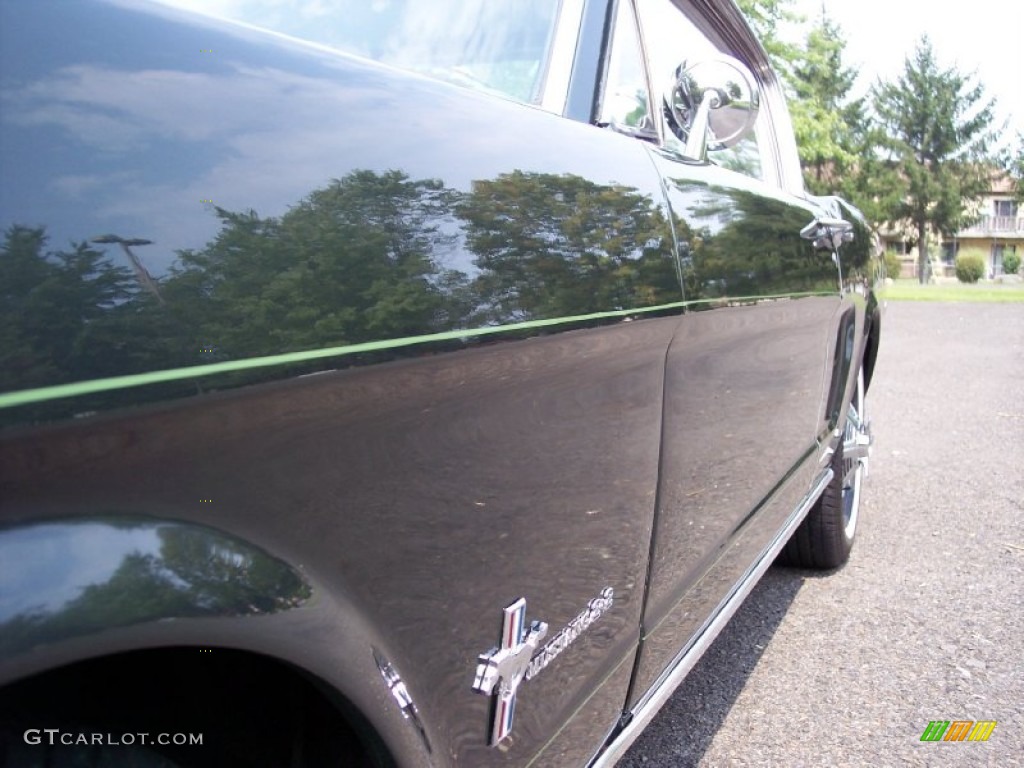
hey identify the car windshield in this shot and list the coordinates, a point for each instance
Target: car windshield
(495, 45)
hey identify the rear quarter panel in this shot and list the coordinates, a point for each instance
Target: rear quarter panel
(312, 201)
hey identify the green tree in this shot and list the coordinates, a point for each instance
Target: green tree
(1013, 161)
(830, 127)
(828, 124)
(934, 129)
(765, 18)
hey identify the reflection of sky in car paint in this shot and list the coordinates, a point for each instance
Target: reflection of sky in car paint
(264, 160)
(239, 155)
(44, 567)
(162, 139)
(139, 135)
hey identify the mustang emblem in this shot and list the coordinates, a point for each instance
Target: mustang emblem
(595, 609)
(505, 667)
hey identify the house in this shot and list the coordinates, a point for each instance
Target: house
(998, 230)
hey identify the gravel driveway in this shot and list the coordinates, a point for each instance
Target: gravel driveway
(926, 621)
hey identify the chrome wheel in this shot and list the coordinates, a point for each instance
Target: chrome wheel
(856, 450)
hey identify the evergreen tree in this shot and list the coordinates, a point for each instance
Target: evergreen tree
(934, 129)
(765, 17)
(828, 125)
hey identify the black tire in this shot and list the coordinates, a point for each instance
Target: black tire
(825, 538)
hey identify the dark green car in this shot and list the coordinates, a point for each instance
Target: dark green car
(402, 384)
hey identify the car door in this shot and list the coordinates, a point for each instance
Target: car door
(746, 371)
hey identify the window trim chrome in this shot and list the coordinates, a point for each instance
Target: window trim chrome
(610, 41)
(727, 30)
(652, 99)
(561, 57)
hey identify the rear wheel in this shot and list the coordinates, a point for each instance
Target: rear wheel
(825, 537)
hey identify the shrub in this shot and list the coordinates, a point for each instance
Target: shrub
(893, 265)
(970, 266)
(1011, 263)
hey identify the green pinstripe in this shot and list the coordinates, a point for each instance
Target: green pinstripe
(44, 394)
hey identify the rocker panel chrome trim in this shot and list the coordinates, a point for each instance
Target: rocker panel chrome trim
(648, 707)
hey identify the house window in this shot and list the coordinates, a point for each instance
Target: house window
(1005, 207)
(949, 251)
(898, 247)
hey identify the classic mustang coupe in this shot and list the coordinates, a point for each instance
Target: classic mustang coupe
(402, 383)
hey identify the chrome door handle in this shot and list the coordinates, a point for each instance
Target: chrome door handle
(828, 233)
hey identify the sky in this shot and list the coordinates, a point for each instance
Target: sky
(983, 36)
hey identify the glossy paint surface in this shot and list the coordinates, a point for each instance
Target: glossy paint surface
(419, 350)
(743, 402)
(427, 486)
(69, 579)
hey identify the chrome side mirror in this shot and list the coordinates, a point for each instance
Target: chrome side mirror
(712, 104)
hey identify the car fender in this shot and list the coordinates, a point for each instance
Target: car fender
(100, 585)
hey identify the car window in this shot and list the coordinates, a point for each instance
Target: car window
(625, 106)
(670, 39)
(500, 46)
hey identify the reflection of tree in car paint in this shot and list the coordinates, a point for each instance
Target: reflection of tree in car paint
(558, 245)
(367, 257)
(739, 244)
(194, 573)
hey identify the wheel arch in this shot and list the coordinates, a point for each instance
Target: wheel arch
(243, 707)
(842, 363)
(872, 331)
(280, 626)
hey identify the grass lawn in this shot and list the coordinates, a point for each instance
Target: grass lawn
(984, 290)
